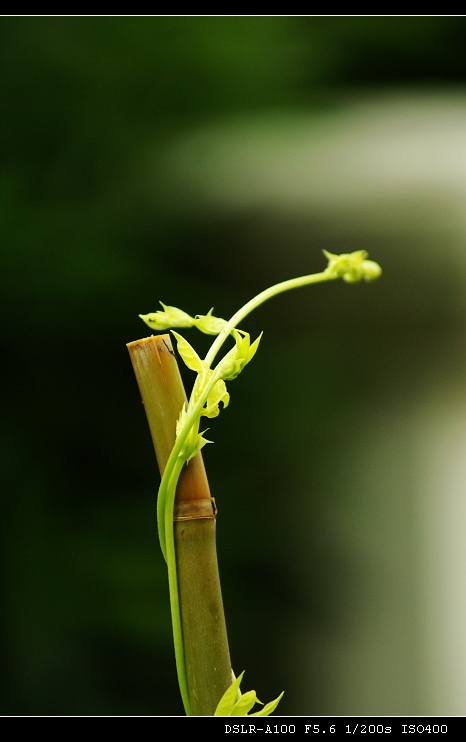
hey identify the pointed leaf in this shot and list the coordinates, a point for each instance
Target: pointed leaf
(245, 704)
(177, 317)
(170, 317)
(269, 707)
(188, 354)
(228, 700)
(156, 320)
(242, 343)
(209, 324)
(200, 443)
(253, 348)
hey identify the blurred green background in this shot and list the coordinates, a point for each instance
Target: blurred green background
(197, 160)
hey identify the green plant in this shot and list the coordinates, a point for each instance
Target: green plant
(208, 393)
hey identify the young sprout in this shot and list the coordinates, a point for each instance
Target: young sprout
(209, 392)
(234, 703)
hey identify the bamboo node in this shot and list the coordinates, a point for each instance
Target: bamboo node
(194, 509)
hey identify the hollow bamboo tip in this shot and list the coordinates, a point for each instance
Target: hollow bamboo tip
(154, 346)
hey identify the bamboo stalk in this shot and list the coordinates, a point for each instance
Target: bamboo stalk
(205, 641)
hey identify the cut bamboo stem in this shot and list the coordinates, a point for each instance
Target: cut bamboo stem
(205, 641)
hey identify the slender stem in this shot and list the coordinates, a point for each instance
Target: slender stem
(166, 497)
(279, 288)
(162, 502)
(171, 473)
(173, 587)
(194, 413)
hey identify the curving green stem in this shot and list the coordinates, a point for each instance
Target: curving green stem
(164, 511)
(352, 268)
(173, 586)
(167, 490)
(194, 414)
(279, 288)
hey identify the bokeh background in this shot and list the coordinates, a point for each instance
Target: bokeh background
(197, 160)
